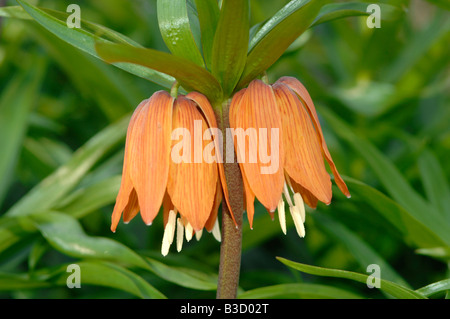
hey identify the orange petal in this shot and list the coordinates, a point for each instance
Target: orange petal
(307, 196)
(210, 117)
(255, 114)
(126, 185)
(150, 153)
(249, 201)
(235, 107)
(191, 184)
(132, 209)
(167, 207)
(215, 210)
(304, 161)
(301, 91)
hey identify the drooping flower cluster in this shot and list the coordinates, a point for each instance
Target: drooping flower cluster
(301, 176)
(190, 183)
(186, 185)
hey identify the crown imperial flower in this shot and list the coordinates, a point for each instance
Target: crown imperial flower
(301, 176)
(191, 187)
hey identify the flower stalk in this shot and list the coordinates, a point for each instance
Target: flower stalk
(231, 245)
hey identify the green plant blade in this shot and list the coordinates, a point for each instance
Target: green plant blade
(85, 41)
(421, 42)
(106, 274)
(440, 253)
(391, 288)
(392, 179)
(276, 35)
(91, 198)
(184, 277)
(13, 230)
(208, 16)
(191, 76)
(298, 290)
(435, 288)
(230, 43)
(335, 11)
(412, 230)
(65, 234)
(108, 88)
(434, 182)
(176, 30)
(56, 186)
(16, 103)
(11, 281)
(362, 252)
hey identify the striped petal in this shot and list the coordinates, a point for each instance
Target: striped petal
(215, 209)
(150, 153)
(167, 207)
(210, 117)
(303, 94)
(304, 160)
(258, 136)
(249, 201)
(132, 208)
(192, 180)
(307, 196)
(126, 185)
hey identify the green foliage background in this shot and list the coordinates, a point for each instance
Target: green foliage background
(382, 95)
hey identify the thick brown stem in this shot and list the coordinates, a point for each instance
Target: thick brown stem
(230, 249)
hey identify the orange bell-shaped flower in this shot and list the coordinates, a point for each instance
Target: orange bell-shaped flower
(296, 143)
(160, 170)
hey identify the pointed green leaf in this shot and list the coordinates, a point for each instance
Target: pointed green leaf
(435, 288)
(413, 231)
(392, 179)
(91, 198)
(440, 253)
(185, 277)
(434, 182)
(107, 274)
(190, 75)
(66, 235)
(176, 30)
(16, 102)
(230, 43)
(362, 252)
(208, 16)
(12, 281)
(56, 186)
(85, 41)
(277, 34)
(393, 289)
(335, 11)
(300, 290)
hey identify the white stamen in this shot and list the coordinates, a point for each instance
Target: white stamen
(216, 231)
(198, 234)
(169, 233)
(296, 216)
(282, 215)
(180, 234)
(298, 200)
(189, 232)
(287, 195)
